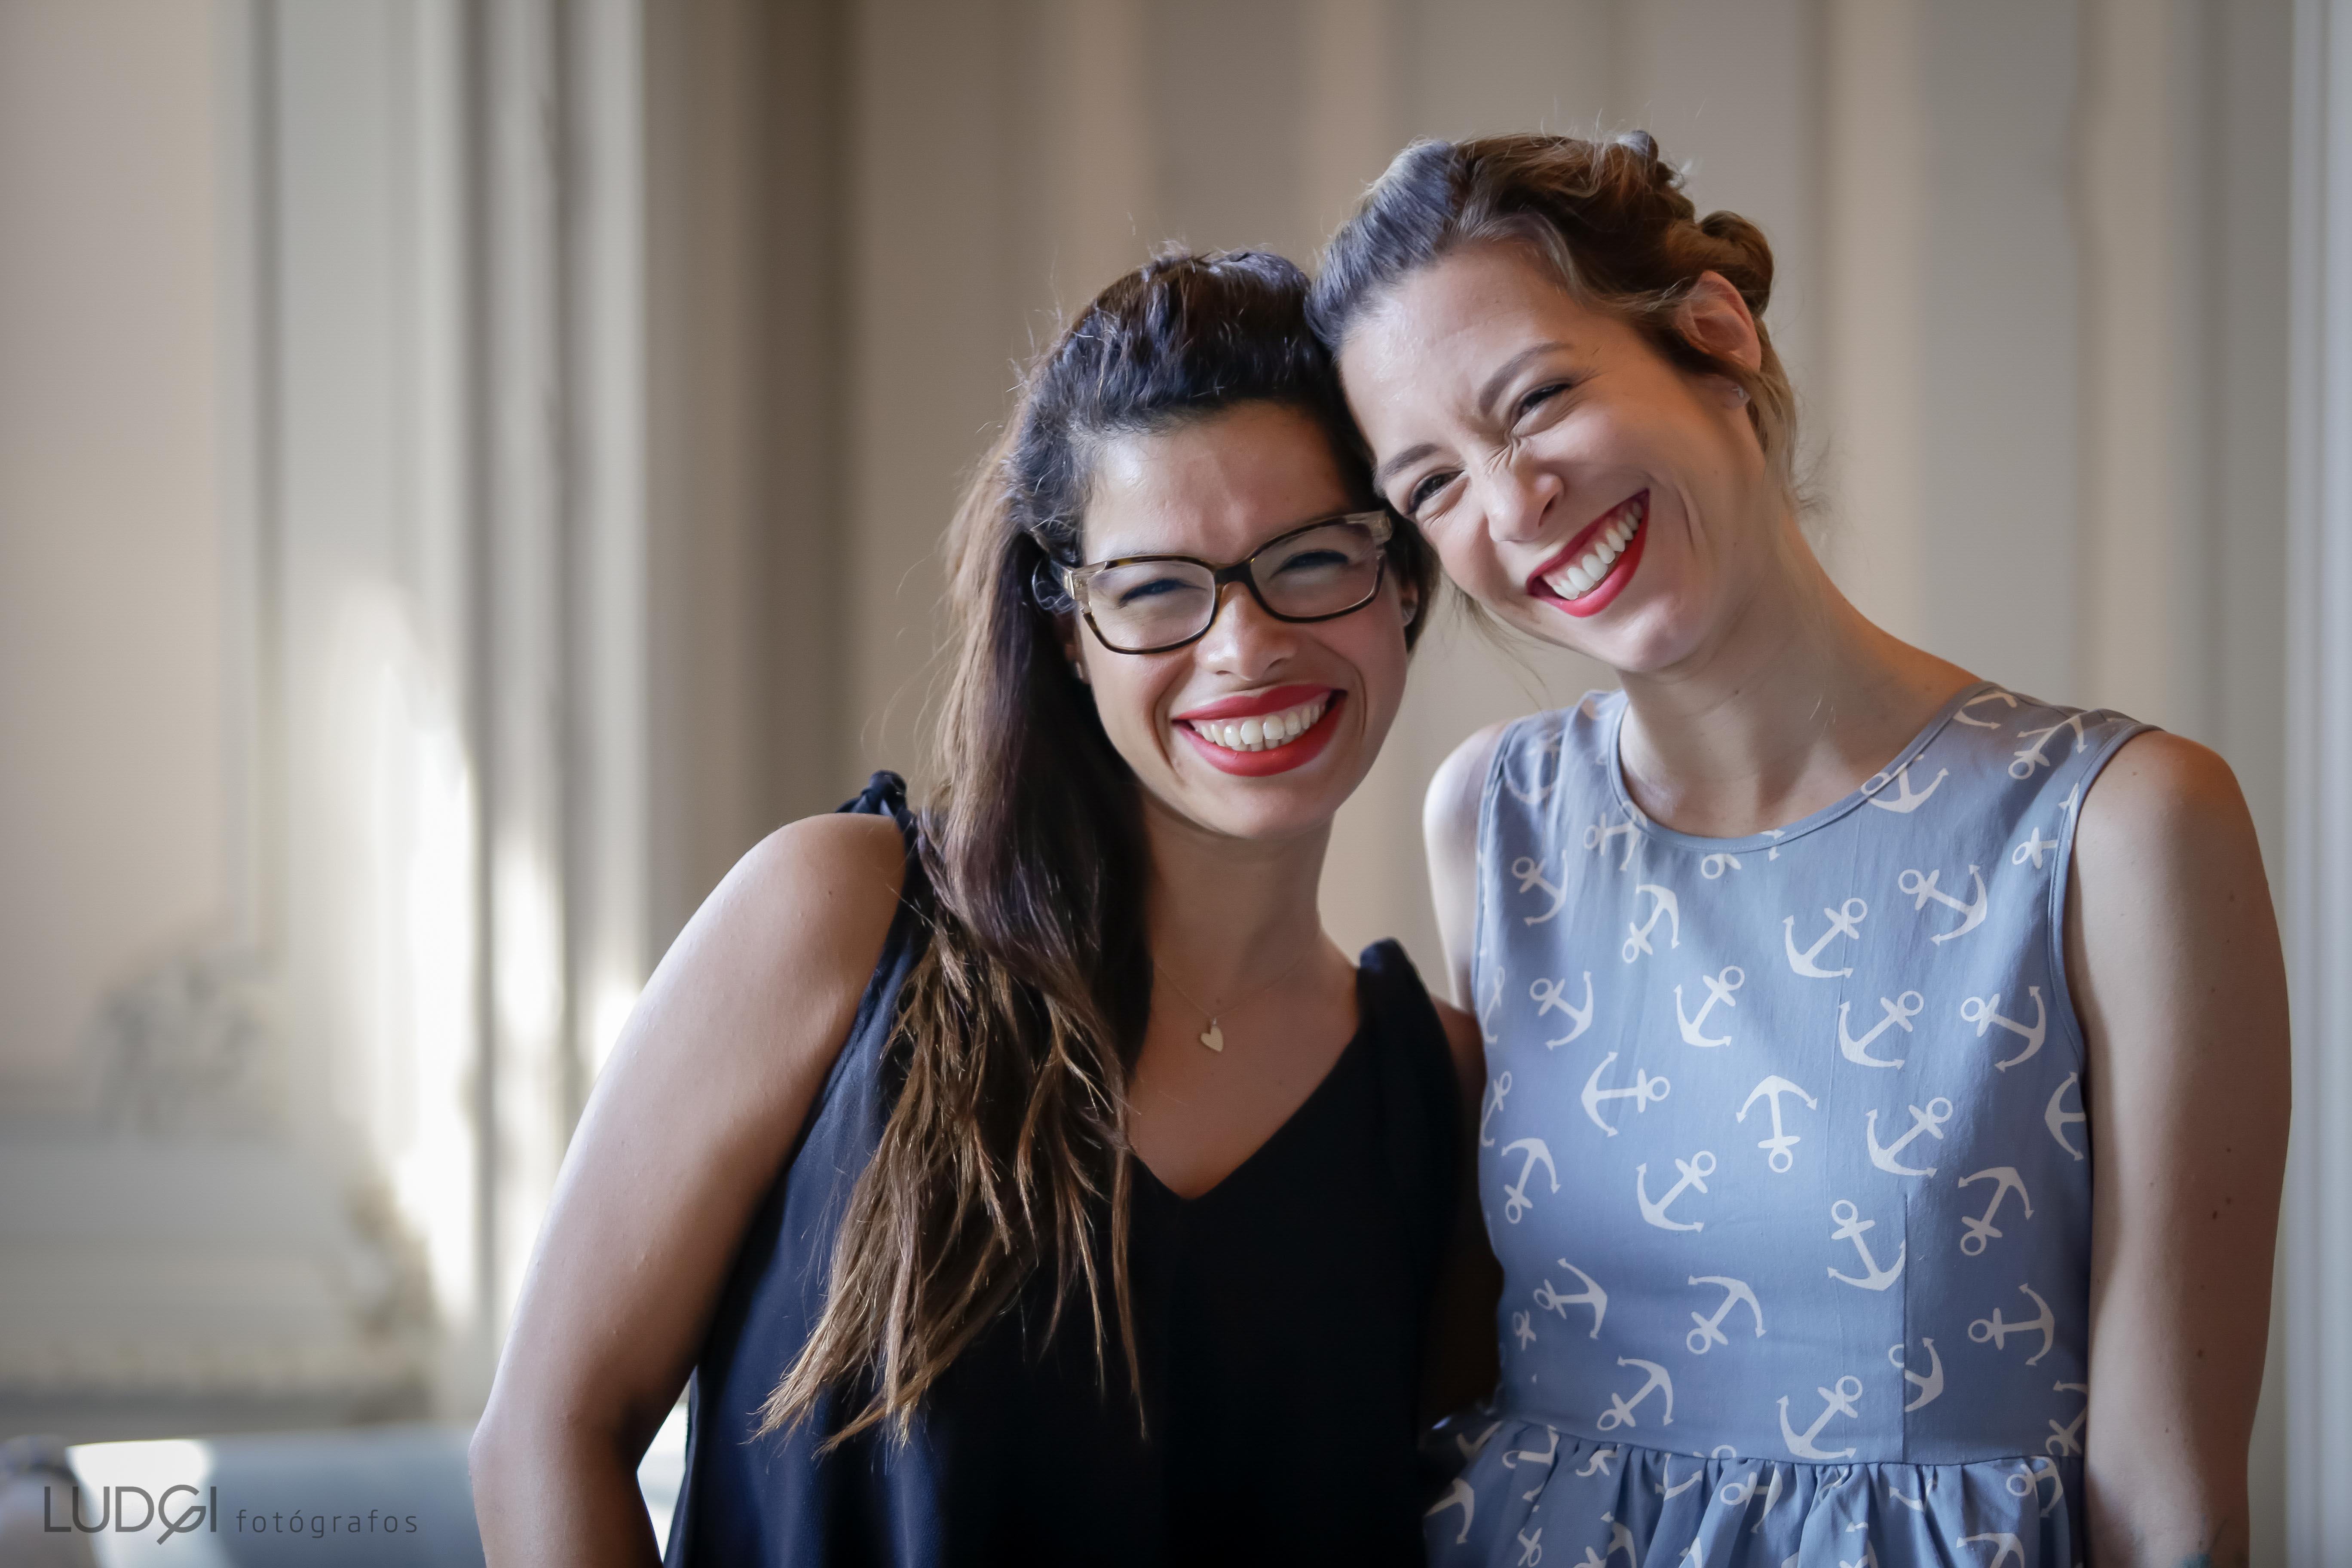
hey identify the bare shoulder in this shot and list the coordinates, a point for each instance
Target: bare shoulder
(2160, 799)
(1449, 817)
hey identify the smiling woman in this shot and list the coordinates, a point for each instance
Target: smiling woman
(973, 1251)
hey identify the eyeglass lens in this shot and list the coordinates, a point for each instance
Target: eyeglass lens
(1324, 570)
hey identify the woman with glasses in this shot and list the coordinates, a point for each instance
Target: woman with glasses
(1027, 1177)
(1906, 1056)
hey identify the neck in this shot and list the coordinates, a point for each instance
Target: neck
(1226, 915)
(1789, 706)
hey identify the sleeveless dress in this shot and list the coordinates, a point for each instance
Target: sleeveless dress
(1783, 1152)
(1280, 1317)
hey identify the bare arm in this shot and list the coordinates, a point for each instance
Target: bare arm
(2172, 952)
(1449, 831)
(689, 1124)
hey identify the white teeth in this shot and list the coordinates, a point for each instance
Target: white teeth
(1594, 567)
(1583, 575)
(1579, 578)
(1262, 731)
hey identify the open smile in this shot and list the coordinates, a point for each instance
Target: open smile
(1264, 732)
(1596, 564)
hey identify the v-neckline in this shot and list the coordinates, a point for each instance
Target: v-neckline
(1322, 1091)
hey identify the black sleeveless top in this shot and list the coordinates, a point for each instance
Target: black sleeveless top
(1279, 1317)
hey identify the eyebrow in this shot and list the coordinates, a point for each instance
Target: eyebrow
(1488, 392)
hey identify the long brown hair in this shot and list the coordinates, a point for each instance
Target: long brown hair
(1610, 219)
(1006, 1154)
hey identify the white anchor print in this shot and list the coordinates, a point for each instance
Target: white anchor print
(2034, 848)
(1962, 715)
(1774, 853)
(1550, 1450)
(1982, 1011)
(1470, 1446)
(1899, 1010)
(1515, 1201)
(1486, 1012)
(1780, 1143)
(1772, 1496)
(1676, 1491)
(2028, 1482)
(1923, 887)
(1598, 836)
(1719, 987)
(1995, 1332)
(2006, 1178)
(1546, 995)
(1695, 1172)
(1928, 1120)
(1621, 1410)
(1869, 1552)
(1594, 1295)
(2068, 1439)
(1896, 1494)
(2010, 1546)
(1713, 867)
(1709, 1332)
(1502, 1090)
(1844, 921)
(1906, 801)
(1620, 1540)
(1598, 1463)
(1930, 1387)
(2030, 757)
(1736, 1494)
(1850, 1226)
(1458, 1495)
(1645, 1090)
(1537, 793)
(1839, 1401)
(1530, 1548)
(1530, 875)
(2058, 1121)
(1663, 905)
(1522, 1329)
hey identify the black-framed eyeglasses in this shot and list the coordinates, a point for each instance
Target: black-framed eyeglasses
(1155, 604)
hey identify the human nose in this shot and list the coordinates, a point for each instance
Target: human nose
(1519, 497)
(1242, 639)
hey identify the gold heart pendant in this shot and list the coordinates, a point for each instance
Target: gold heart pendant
(1215, 1038)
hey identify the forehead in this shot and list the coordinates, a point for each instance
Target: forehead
(1216, 486)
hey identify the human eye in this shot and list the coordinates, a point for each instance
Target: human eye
(1144, 588)
(1537, 398)
(1423, 493)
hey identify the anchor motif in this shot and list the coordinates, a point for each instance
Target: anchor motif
(1486, 1012)
(1780, 1143)
(1979, 1229)
(1546, 996)
(2057, 1121)
(2030, 757)
(1709, 1332)
(2028, 1482)
(1511, 1460)
(1598, 1463)
(1530, 875)
(1594, 1295)
(1662, 906)
(1962, 715)
(1621, 1410)
(1620, 1540)
(1458, 1495)
(1523, 1329)
(1530, 1548)
(1774, 853)
(1598, 836)
(1850, 1226)
(1899, 1011)
(1923, 888)
(2068, 1439)
(1982, 1011)
(1905, 801)
(1719, 987)
(1676, 1491)
(1896, 1494)
(1695, 1172)
(1645, 1090)
(1502, 1089)
(2010, 1546)
(1712, 866)
(1515, 1201)
(1535, 794)
(1472, 1447)
(1869, 1551)
(1931, 1387)
(1839, 1401)
(1995, 1332)
(1844, 921)
(1929, 1121)
(2034, 848)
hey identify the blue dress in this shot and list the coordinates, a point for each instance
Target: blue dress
(1783, 1152)
(1289, 1299)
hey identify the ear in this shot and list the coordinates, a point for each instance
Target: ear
(1071, 653)
(1716, 319)
(1409, 600)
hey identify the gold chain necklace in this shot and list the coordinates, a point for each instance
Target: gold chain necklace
(1214, 1037)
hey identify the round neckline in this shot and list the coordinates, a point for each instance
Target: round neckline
(1775, 837)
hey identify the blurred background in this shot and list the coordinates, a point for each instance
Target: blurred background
(468, 468)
